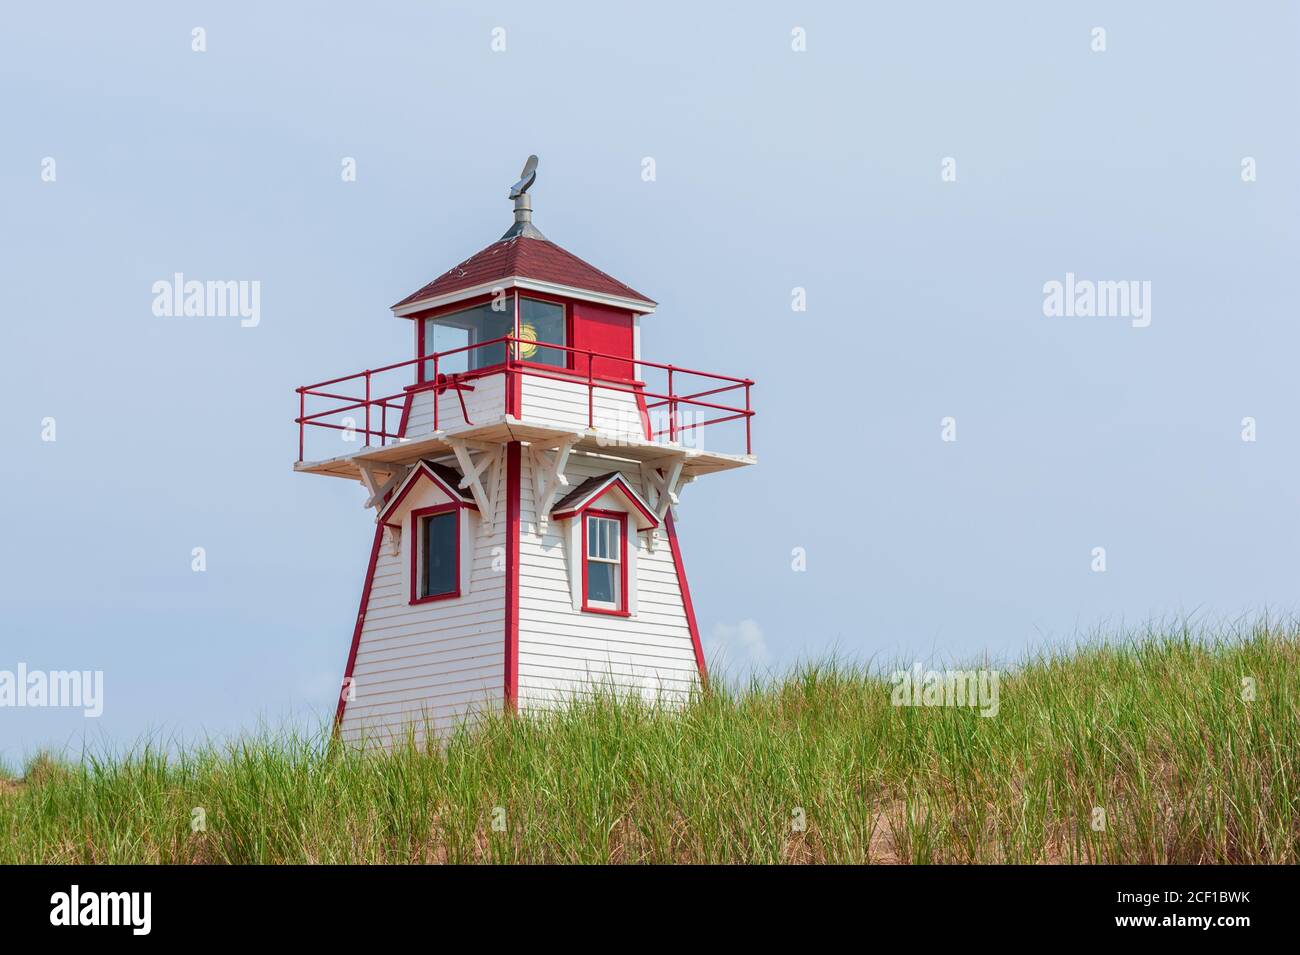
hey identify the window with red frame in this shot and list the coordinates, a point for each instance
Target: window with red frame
(464, 329)
(435, 560)
(604, 560)
(541, 324)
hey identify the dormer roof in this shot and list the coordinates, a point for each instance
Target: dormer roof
(446, 478)
(593, 489)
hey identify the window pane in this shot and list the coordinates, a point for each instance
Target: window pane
(602, 582)
(468, 327)
(440, 338)
(439, 546)
(542, 322)
(602, 538)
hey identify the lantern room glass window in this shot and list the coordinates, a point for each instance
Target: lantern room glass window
(438, 564)
(469, 326)
(603, 573)
(543, 323)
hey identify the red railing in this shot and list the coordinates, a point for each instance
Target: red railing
(386, 410)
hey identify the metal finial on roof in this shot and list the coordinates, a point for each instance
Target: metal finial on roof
(523, 204)
(526, 178)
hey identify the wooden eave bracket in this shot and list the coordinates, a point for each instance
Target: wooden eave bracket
(663, 483)
(379, 490)
(489, 460)
(549, 477)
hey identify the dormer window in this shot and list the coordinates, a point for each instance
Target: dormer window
(427, 521)
(606, 517)
(604, 571)
(436, 552)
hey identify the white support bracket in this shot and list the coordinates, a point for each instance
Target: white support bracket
(489, 461)
(379, 490)
(549, 477)
(663, 481)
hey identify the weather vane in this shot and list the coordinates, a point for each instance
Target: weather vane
(523, 225)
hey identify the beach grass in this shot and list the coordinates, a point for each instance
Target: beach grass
(1159, 747)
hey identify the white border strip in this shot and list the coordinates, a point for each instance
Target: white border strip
(638, 305)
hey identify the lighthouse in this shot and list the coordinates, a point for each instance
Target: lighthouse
(525, 468)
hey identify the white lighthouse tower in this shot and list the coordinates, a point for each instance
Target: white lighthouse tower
(524, 467)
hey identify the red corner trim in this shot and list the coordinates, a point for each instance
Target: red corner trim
(512, 576)
(406, 415)
(365, 597)
(675, 547)
(356, 632)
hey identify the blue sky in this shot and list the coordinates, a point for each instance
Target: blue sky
(775, 169)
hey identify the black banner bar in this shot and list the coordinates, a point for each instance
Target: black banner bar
(334, 905)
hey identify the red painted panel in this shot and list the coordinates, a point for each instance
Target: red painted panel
(602, 329)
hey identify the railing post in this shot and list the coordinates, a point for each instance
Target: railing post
(367, 408)
(302, 425)
(748, 416)
(672, 408)
(510, 408)
(591, 393)
(383, 423)
(435, 391)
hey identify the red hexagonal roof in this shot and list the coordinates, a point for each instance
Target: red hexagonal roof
(524, 257)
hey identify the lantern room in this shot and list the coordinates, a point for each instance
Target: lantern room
(562, 313)
(566, 314)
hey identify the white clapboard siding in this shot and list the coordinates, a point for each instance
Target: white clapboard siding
(487, 402)
(543, 400)
(438, 662)
(396, 724)
(436, 665)
(564, 652)
(564, 404)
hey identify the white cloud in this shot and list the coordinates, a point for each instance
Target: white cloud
(737, 647)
